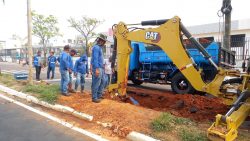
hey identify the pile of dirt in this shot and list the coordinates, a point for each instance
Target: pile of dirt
(124, 117)
(196, 107)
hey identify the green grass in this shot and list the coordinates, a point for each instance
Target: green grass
(167, 122)
(6, 79)
(183, 128)
(192, 135)
(48, 93)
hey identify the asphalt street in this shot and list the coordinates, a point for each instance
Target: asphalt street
(15, 67)
(19, 124)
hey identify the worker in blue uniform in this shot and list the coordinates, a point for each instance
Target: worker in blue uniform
(97, 68)
(71, 68)
(38, 64)
(65, 69)
(80, 70)
(51, 65)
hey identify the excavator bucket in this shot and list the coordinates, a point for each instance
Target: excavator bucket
(225, 127)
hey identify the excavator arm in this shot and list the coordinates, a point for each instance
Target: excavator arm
(168, 36)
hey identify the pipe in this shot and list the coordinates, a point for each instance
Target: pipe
(154, 22)
(198, 45)
(243, 96)
(236, 105)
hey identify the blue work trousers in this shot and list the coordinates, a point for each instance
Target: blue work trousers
(80, 79)
(98, 84)
(107, 79)
(50, 69)
(64, 81)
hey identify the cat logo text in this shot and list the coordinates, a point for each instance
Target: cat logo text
(153, 36)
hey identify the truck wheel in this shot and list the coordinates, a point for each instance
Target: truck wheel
(180, 85)
(134, 80)
(137, 82)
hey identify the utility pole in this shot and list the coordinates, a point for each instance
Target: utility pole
(29, 23)
(226, 9)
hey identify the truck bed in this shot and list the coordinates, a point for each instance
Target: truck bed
(153, 54)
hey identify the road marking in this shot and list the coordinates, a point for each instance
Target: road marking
(66, 124)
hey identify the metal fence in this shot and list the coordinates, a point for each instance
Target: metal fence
(241, 46)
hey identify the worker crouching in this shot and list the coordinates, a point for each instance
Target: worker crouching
(80, 70)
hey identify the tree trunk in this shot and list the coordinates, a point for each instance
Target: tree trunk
(29, 23)
(45, 52)
(87, 47)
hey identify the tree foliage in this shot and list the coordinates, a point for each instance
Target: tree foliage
(85, 26)
(45, 28)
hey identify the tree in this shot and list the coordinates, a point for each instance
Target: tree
(44, 28)
(86, 27)
(29, 43)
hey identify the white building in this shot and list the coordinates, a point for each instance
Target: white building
(239, 28)
(240, 35)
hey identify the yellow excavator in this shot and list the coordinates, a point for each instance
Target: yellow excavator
(168, 35)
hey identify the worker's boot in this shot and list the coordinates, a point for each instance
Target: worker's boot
(70, 88)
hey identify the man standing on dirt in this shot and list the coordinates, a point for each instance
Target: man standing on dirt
(97, 66)
(80, 70)
(51, 65)
(64, 70)
(38, 65)
(71, 68)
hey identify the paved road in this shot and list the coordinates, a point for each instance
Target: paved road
(19, 124)
(15, 67)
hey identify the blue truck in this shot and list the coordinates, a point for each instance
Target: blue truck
(149, 63)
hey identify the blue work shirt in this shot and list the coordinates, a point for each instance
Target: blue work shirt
(97, 57)
(37, 61)
(64, 61)
(52, 61)
(81, 65)
(71, 65)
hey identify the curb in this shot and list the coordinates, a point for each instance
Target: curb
(66, 124)
(133, 136)
(56, 107)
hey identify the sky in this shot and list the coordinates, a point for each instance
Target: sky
(192, 12)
